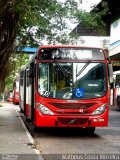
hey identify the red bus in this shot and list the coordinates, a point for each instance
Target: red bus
(16, 91)
(66, 86)
(10, 96)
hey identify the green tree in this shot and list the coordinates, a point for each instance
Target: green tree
(93, 20)
(16, 61)
(17, 17)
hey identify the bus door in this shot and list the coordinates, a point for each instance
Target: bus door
(27, 93)
(30, 92)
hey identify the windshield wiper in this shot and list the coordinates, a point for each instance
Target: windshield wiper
(85, 66)
(65, 72)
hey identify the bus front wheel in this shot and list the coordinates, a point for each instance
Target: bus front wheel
(35, 128)
(90, 130)
(21, 111)
(118, 103)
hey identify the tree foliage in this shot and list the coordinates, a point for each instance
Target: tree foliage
(16, 61)
(93, 20)
(17, 18)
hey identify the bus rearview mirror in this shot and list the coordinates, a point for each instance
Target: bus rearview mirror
(110, 68)
(32, 70)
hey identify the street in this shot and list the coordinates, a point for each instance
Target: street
(52, 142)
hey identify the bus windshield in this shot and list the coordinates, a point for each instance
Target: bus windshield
(72, 80)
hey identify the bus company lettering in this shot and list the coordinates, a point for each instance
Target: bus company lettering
(93, 85)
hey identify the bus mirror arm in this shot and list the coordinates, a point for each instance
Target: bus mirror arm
(110, 69)
(32, 70)
(111, 85)
(30, 74)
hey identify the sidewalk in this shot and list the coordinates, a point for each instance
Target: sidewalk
(15, 141)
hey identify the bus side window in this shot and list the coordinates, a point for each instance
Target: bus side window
(117, 84)
(28, 78)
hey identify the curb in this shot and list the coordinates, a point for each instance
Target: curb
(39, 156)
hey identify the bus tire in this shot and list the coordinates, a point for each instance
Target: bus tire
(90, 130)
(15, 103)
(35, 128)
(27, 119)
(21, 111)
(118, 103)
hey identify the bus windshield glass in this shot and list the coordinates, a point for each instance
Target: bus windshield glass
(72, 80)
(71, 54)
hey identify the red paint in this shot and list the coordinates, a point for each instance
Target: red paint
(42, 120)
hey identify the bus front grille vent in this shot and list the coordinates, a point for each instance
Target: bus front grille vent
(72, 105)
(72, 121)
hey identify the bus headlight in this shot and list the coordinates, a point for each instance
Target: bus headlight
(45, 110)
(100, 110)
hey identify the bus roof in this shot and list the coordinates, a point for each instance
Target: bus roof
(66, 46)
(50, 52)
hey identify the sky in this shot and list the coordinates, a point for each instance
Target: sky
(87, 4)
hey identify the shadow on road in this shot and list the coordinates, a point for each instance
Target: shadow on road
(63, 132)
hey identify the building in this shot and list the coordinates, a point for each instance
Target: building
(112, 21)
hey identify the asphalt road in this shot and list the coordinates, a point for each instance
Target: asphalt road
(54, 144)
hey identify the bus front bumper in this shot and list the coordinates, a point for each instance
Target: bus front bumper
(43, 120)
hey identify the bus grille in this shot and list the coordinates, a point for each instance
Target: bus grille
(72, 105)
(72, 121)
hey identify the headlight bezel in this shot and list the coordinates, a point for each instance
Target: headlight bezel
(100, 110)
(44, 110)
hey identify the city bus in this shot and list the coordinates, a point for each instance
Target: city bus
(16, 91)
(66, 86)
(10, 96)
